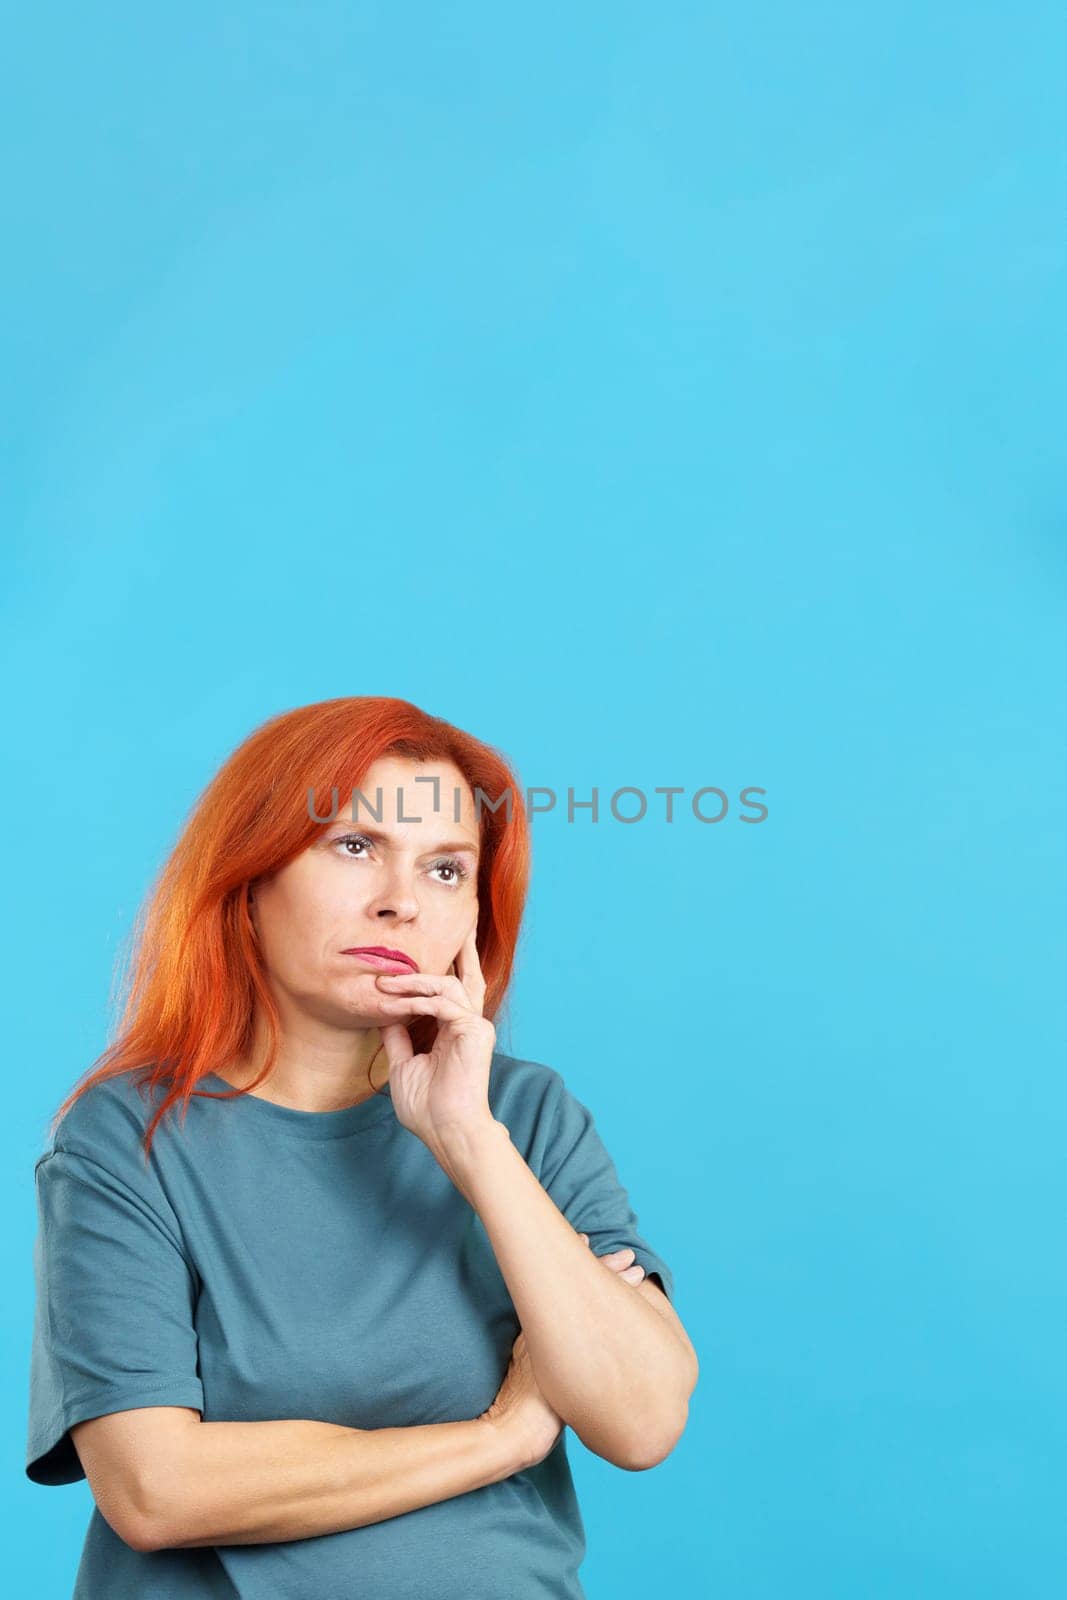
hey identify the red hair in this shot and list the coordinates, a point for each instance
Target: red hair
(195, 971)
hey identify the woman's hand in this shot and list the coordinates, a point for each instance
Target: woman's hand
(632, 1271)
(520, 1410)
(443, 1094)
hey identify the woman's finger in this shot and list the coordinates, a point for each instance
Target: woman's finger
(613, 1260)
(428, 1005)
(610, 1255)
(468, 970)
(425, 983)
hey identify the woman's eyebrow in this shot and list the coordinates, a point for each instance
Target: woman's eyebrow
(455, 846)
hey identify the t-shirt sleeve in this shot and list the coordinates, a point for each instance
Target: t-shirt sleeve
(580, 1176)
(113, 1322)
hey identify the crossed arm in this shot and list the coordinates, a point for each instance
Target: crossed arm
(162, 1478)
(611, 1358)
(616, 1366)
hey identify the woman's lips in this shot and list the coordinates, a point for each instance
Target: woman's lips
(373, 958)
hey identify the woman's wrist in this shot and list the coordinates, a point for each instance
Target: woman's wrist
(461, 1150)
(507, 1449)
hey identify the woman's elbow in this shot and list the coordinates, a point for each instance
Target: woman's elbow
(654, 1446)
(657, 1442)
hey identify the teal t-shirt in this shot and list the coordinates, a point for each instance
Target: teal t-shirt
(271, 1263)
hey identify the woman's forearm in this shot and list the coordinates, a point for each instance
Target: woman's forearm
(613, 1367)
(258, 1482)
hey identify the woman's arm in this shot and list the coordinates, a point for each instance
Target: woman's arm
(162, 1478)
(617, 1366)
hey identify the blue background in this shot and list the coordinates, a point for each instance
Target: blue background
(668, 395)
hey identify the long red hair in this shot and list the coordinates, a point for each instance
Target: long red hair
(194, 973)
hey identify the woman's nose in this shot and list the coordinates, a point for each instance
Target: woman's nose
(396, 893)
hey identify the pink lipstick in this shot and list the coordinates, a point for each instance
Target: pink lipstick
(377, 955)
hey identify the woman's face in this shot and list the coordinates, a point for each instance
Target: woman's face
(410, 885)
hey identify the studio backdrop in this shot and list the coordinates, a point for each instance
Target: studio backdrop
(672, 403)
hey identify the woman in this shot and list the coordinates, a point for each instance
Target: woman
(322, 1274)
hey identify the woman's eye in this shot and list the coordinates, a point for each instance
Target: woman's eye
(352, 838)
